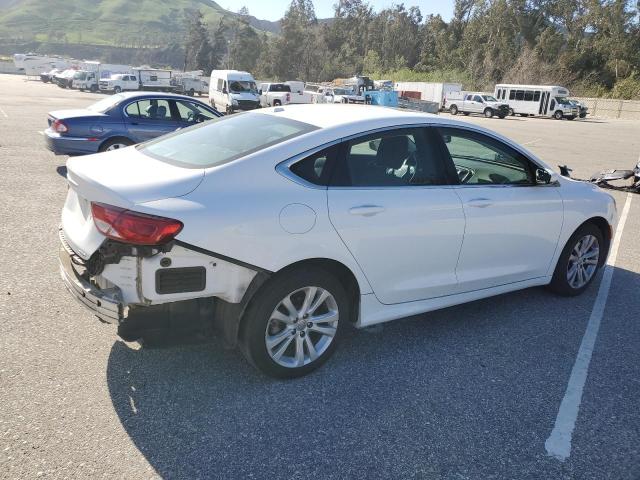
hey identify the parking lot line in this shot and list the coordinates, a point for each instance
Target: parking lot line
(558, 444)
(4, 114)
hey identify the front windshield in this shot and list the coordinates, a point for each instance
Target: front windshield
(241, 86)
(106, 103)
(489, 98)
(79, 76)
(223, 140)
(563, 101)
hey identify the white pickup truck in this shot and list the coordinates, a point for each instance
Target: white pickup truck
(475, 102)
(274, 94)
(157, 80)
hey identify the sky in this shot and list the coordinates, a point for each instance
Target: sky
(274, 9)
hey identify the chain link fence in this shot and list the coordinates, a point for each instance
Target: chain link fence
(610, 108)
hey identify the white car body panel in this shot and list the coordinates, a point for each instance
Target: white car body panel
(246, 211)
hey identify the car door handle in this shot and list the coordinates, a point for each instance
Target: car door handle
(366, 210)
(479, 202)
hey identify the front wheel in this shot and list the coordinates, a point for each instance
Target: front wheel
(453, 110)
(117, 90)
(558, 115)
(511, 112)
(293, 324)
(579, 261)
(488, 113)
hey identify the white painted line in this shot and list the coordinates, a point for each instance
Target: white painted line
(4, 114)
(558, 444)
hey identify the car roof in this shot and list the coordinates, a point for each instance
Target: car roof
(130, 95)
(328, 115)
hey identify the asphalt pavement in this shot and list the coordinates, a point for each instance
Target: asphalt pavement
(469, 392)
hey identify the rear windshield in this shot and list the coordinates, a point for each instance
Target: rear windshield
(279, 87)
(224, 139)
(106, 103)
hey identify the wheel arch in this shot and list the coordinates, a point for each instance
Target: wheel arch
(607, 234)
(111, 139)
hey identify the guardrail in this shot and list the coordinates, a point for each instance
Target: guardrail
(611, 108)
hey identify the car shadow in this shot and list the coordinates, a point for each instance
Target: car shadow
(393, 399)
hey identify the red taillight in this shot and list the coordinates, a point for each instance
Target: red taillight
(59, 126)
(133, 227)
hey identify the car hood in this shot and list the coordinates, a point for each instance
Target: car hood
(127, 177)
(75, 113)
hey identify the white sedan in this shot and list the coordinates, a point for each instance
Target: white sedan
(282, 226)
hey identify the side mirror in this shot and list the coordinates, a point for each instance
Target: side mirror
(543, 177)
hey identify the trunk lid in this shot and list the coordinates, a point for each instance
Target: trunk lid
(123, 178)
(74, 113)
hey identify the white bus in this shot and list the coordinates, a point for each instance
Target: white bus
(538, 100)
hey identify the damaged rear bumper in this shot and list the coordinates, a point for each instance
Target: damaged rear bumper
(105, 304)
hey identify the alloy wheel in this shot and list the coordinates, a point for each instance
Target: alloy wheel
(301, 327)
(115, 146)
(583, 261)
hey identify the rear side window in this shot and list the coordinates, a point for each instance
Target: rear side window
(396, 158)
(315, 168)
(224, 139)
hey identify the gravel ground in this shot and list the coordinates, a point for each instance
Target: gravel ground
(470, 392)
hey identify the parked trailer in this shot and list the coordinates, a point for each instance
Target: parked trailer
(430, 92)
(537, 100)
(139, 79)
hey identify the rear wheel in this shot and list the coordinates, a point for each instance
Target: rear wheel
(191, 92)
(294, 322)
(115, 144)
(277, 103)
(453, 110)
(579, 261)
(488, 113)
(94, 88)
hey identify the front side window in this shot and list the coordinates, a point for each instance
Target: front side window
(392, 159)
(193, 113)
(481, 160)
(477, 98)
(224, 139)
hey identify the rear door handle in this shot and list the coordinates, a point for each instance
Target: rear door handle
(479, 202)
(366, 210)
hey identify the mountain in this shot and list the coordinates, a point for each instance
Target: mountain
(139, 23)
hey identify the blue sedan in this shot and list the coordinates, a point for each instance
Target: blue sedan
(122, 120)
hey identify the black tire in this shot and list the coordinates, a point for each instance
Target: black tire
(511, 112)
(94, 88)
(125, 142)
(453, 110)
(191, 92)
(257, 319)
(277, 103)
(558, 115)
(117, 89)
(488, 112)
(560, 283)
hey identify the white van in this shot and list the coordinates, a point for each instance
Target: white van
(537, 100)
(232, 90)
